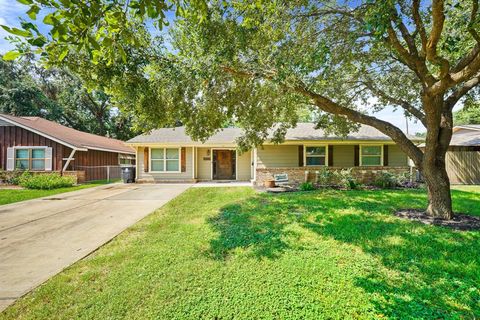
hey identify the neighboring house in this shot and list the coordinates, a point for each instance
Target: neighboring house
(36, 144)
(463, 155)
(170, 155)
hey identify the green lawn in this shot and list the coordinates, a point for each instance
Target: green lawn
(15, 195)
(224, 253)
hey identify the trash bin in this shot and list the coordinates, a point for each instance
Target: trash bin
(128, 174)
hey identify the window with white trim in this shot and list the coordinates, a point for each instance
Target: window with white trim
(30, 159)
(316, 156)
(371, 155)
(165, 159)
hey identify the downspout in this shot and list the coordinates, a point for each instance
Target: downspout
(69, 159)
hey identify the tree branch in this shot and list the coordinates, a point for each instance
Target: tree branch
(471, 25)
(420, 26)
(461, 91)
(438, 18)
(462, 63)
(469, 71)
(400, 102)
(413, 62)
(327, 105)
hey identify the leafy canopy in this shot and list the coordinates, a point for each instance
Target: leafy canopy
(257, 62)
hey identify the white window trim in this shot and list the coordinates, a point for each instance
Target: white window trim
(371, 165)
(29, 157)
(164, 160)
(315, 145)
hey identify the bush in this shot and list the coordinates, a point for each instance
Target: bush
(390, 180)
(306, 186)
(10, 177)
(346, 179)
(386, 180)
(45, 181)
(325, 177)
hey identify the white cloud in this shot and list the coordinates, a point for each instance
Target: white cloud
(10, 11)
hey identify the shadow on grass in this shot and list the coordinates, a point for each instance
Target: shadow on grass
(435, 271)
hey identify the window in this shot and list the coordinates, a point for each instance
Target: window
(371, 155)
(126, 160)
(315, 156)
(30, 159)
(165, 159)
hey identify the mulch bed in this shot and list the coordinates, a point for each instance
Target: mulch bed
(460, 221)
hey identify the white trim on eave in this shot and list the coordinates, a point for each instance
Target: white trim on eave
(42, 134)
(109, 150)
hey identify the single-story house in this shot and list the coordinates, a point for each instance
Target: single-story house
(169, 154)
(37, 144)
(463, 155)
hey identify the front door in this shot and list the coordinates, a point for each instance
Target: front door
(224, 164)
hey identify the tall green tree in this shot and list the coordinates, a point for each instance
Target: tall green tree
(27, 89)
(259, 61)
(470, 112)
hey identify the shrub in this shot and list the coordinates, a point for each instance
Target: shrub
(325, 177)
(10, 177)
(45, 181)
(386, 180)
(306, 186)
(390, 180)
(346, 179)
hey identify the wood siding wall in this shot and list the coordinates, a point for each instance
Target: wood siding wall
(343, 156)
(287, 156)
(93, 162)
(12, 136)
(277, 156)
(463, 165)
(244, 166)
(204, 167)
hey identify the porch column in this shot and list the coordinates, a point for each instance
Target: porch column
(194, 162)
(254, 153)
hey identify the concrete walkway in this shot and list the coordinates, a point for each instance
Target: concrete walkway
(41, 237)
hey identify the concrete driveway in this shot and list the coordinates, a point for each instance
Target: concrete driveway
(41, 237)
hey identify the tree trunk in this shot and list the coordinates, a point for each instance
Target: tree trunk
(438, 187)
(439, 122)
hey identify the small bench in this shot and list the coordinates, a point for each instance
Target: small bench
(281, 178)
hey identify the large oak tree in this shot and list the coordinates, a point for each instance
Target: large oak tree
(257, 62)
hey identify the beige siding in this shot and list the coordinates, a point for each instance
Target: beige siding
(343, 156)
(463, 166)
(277, 156)
(244, 163)
(181, 176)
(396, 157)
(204, 167)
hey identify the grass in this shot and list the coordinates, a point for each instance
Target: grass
(224, 253)
(16, 195)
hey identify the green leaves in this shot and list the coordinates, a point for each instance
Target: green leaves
(33, 11)
(11, 55)
(100, 25)
(17, 32)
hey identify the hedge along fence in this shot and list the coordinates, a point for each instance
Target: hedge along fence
(12, 177)
(37, 180)
(45, 181)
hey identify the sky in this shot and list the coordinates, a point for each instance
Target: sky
(11, 11)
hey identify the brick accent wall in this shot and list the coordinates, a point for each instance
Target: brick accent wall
(296, 175)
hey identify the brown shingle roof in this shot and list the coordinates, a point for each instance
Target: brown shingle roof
(68, 136)
(467, 137)
(303, 131)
